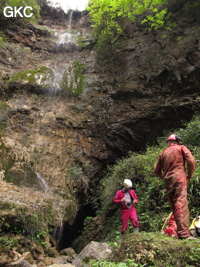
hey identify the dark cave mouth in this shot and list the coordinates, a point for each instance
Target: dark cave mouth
(66, 234)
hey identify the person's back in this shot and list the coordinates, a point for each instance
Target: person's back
(171, 163)
(170, 167)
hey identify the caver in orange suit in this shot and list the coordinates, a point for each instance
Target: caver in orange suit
(171, 168)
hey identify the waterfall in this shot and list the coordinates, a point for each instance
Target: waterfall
(55, 87)
(64, 38)
(66, 43)
(60, 210)
(70, 19)
(46, 187)
(58, 233)
(67, 40)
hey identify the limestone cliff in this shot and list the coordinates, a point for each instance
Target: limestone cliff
(101, 110)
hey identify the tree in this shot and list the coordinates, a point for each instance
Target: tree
(110, 17)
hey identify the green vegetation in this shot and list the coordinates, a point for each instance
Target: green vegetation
(23, 177)
(112, 18)
(80, 179)
(31, 221)
(42, 76)
(153, 207)
(149, 249)
(109, 264)
(8, 242)
(24, 3)
(2, 40)
(73, 78)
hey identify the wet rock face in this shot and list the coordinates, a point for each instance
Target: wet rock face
(68, 138)
(152, 86)
(43, 77)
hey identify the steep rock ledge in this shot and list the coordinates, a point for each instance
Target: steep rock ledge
(152, 86)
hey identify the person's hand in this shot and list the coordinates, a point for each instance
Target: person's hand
(123, 199)
(134, 201)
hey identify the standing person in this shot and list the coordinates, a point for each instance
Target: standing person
(170, 167)
(127, 197)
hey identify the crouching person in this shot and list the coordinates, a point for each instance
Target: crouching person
(126, 198)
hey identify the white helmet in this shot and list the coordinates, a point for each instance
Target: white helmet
(127, 183)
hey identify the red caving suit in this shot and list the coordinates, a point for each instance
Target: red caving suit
(171, 230)
(127, 213)
(170, 167)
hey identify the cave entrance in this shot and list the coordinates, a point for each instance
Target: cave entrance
(66, 236)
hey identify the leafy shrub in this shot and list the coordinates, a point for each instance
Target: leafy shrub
(8, 242)
(111, 17)
(153, 206)
(191, 134)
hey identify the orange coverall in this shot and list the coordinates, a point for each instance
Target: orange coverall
(170, 167)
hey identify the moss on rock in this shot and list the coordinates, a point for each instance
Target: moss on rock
(73, 78)
(43, 76)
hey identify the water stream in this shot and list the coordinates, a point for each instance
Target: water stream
(70, 19)
(55, 87)
(66, 43)
(45, 185)
(58, 234)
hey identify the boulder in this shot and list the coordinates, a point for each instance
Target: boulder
(4, 260)
(22, 263)
(26, 259)
(48, 260)
(68, 251)
(94, 250)
(60, 260)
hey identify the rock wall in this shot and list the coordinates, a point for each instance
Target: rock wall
(151, 86)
